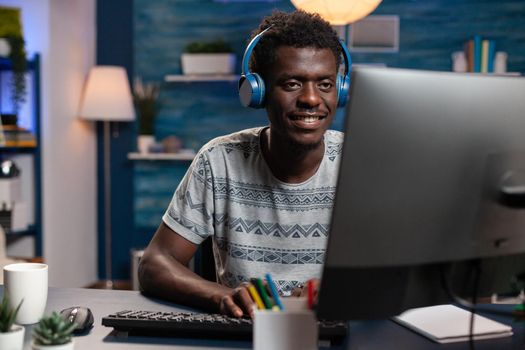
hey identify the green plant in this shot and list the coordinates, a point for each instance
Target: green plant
(11, 30)
(53, 330)
(216, 46)
(7, 314)
(145, 97)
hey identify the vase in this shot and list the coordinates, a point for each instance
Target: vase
(500, 62)
(144, 143)
(459, 62)
(67, 346)
(208, 63)
(13, 340)
(5, 48)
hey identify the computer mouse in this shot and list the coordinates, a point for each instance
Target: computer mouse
(79, 315)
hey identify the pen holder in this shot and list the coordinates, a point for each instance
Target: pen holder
(293, 328)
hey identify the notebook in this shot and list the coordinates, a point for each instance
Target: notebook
(449, 323)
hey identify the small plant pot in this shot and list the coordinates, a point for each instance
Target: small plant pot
(66, 346)
(5, 48)
(144, 143)
(9, 119)
(208, 63)
(13, 340)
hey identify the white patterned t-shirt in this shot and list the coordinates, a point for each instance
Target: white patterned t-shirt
(258, 223)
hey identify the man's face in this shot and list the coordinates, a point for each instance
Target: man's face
(301, 95)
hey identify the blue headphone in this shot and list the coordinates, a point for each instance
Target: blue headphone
(251, 85)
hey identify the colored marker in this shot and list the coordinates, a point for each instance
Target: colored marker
(262, 292)
(273, 290)
(310, 286)
(255, 296)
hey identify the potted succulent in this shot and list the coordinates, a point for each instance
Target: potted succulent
(213, 57)
(145, 97)
(53, 333)
(11, 334)
(13, 46)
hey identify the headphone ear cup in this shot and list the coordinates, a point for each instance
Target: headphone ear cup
(252, 90)
(343, 86)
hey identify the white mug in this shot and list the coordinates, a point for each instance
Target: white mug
(293, 328)
(500, 62)
(459, 62)
(27, 282)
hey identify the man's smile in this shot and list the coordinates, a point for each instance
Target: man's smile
(307, 120)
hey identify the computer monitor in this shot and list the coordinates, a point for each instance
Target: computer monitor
(431, 187)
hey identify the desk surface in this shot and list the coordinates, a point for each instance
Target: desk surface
(383, 334)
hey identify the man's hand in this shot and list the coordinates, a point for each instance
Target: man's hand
(238, 303)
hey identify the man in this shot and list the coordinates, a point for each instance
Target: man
(264, 195)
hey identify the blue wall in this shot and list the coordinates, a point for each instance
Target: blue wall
(194, 112)
(430, 30)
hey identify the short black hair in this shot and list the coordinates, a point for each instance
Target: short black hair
(298, 29)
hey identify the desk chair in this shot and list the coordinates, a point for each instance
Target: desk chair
(205, 262)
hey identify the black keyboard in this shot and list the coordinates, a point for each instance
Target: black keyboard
(195, 325)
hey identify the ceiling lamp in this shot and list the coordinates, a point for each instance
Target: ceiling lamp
(338, 12)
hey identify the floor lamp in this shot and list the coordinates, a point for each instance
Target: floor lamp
(107, 97)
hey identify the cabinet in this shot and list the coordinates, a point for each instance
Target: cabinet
(24, 149)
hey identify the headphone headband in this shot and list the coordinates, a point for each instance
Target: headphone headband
(248, 51)
(252, 88)
(346, 57)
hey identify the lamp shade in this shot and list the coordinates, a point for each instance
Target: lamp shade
(338, 12)
(107, 95)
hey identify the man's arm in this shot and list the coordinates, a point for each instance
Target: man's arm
(164, 273)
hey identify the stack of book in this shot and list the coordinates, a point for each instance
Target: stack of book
(480, 54)
(15, 136)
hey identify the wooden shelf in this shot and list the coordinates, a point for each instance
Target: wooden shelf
(183, 156)
(188, 78)
(17, 149)
(6, 64)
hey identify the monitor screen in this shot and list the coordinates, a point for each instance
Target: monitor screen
(431, 186)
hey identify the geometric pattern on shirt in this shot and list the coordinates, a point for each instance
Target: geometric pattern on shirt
(200, 207)
(284, 287)
(246, 148)
(274, 197)
(271, 255)
(258, 227)
(194, 227)
(333, 150)
(202, 171)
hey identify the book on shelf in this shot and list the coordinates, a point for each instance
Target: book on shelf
(15, 136)
(480, 54)
(469, 53)
(491, 54)
(484, 56)
(477, 54)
